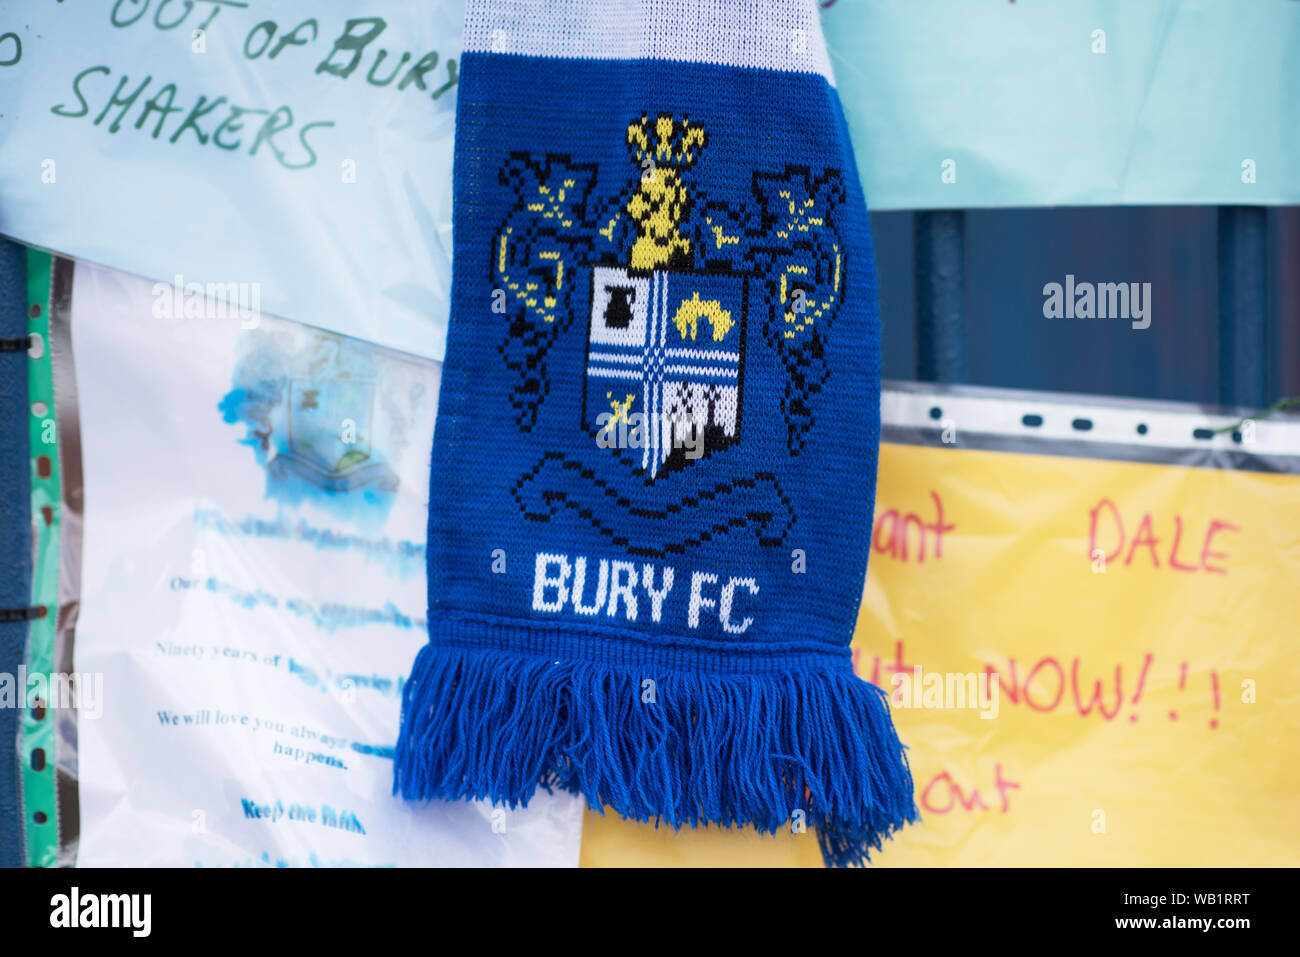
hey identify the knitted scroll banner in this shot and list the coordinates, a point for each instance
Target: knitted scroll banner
(655, 454)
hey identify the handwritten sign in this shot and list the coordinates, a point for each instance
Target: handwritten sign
(303, 149)
(1140, 620)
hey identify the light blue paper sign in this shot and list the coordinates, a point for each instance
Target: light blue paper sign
(961, 103)
(297, 152)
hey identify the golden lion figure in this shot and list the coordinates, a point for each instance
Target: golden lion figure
(663, 149)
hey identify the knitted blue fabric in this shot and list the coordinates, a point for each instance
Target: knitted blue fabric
(655, 455)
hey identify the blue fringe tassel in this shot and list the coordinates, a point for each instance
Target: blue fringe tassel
(728, 749)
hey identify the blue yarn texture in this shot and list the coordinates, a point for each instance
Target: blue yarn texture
(655, 456)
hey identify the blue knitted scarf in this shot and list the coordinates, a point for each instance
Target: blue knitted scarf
(655, 454)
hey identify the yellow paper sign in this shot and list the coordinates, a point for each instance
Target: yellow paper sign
(1143, 624)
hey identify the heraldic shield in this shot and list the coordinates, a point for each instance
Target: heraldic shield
(665, 361)
(334, 458)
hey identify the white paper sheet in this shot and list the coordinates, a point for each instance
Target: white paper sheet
(254, 595)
